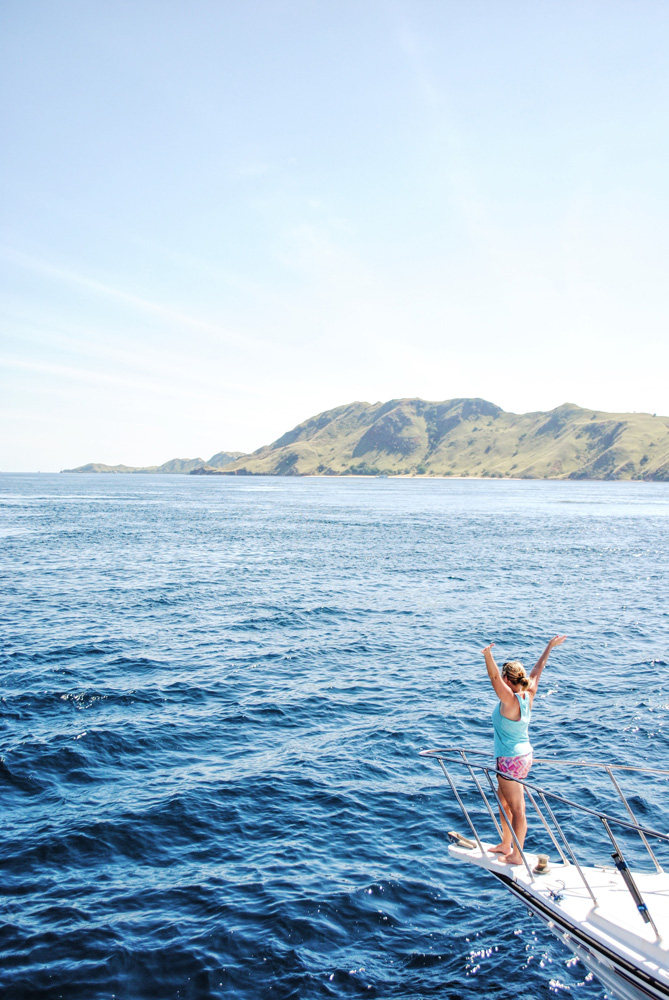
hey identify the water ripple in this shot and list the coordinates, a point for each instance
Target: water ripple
(213, 697)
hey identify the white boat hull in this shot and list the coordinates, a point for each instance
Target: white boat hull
(610, 937)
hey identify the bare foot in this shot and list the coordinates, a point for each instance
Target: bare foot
(513, 859)
(501, 849)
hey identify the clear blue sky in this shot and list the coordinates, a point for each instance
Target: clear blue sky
(220, 217)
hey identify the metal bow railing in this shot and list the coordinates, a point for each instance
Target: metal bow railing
(551, 804)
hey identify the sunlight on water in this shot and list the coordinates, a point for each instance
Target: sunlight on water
(214, 692)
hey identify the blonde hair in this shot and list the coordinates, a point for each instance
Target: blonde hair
(514, 671)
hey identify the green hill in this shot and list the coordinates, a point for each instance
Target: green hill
(222, 458)
(466, 437)
(175, 465)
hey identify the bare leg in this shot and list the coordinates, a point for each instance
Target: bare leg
(513, 796)
(506, 844)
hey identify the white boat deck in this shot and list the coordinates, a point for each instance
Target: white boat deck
(613, 923)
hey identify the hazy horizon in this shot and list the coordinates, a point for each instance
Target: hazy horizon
(207, 457)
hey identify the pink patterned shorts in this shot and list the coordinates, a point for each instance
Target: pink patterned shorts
(515, 767)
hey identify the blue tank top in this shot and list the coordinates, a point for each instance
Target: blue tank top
(511, 738)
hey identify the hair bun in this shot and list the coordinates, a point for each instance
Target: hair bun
(514, 671)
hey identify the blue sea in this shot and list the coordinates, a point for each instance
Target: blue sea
(214, 694)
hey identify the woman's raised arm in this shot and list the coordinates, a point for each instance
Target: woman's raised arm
(535, 673)
(503, 692)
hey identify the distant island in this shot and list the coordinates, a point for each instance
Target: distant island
(466, 437)
(457, 437)
(175, 465)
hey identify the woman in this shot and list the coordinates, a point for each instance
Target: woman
(511, 720)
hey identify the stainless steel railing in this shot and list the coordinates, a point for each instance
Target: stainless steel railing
(459, 757)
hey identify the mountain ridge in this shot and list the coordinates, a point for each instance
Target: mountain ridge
(465, 436)
(468, 437)
(175, 465)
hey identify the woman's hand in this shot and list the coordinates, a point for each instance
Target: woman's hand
(557, 640)
(488, 648)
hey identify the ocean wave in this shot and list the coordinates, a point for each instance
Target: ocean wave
(209, 750)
